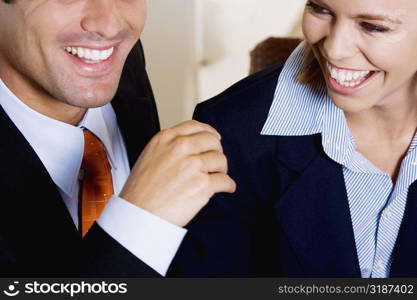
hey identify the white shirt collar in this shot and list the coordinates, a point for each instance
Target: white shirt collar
(60, 146)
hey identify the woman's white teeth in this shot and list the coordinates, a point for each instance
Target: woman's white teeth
(90, 55)
(347, 78)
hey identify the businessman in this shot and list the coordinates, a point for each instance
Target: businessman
(85, 189)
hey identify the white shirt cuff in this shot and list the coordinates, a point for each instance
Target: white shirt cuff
(150, 238)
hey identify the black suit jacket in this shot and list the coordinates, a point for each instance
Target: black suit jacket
(289, 216)
(37, 235)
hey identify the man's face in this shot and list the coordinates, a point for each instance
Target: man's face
(67, 51)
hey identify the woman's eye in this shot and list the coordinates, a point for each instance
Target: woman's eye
(317, 8)
(374, 28)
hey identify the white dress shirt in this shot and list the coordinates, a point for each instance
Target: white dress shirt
(60, 147)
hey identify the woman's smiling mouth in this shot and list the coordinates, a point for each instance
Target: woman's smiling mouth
(348, 81)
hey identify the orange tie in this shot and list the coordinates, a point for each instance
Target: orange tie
(97, 183)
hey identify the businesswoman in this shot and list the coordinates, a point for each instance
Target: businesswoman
(323, 150)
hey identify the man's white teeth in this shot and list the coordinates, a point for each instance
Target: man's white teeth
(90, 54)
(347, 78)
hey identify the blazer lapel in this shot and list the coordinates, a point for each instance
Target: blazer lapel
(136, 123)
(135, 106)
(32, 215)
(314, 211)
(25, 177)
(404, 263)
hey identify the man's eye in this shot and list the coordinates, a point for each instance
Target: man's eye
(318, 9)
(374, 28)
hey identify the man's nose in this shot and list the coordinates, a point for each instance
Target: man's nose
(340, 44)
(103, 18)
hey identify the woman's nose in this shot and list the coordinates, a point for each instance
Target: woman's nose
(340, 43)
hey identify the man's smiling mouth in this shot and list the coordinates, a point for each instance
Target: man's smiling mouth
(89, 55)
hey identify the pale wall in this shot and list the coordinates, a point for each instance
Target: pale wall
(232, 29)
(197, 48)
(169, 43)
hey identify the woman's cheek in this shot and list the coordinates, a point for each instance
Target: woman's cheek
(314, 29)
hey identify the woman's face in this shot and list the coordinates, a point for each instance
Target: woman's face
(367, 50)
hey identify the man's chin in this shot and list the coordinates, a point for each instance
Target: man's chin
(90, 100)
(85, 92)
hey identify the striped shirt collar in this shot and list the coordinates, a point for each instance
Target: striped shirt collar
(299, 110)
(296, 109)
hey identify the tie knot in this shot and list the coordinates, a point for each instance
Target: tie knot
(95, 157)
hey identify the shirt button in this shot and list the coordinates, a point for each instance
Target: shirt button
(365, 271)
(379, 266)
(387, 213)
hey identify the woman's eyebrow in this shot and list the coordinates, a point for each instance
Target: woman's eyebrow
(374, 17)
(386, 18)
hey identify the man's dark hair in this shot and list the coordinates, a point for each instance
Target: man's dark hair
(7, 1)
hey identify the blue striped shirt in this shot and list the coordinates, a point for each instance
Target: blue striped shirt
(376, 205)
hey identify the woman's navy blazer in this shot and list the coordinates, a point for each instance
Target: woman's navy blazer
(290, 215)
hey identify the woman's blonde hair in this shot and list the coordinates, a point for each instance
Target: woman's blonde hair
(311, 73)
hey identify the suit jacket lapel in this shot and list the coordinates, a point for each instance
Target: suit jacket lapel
(314, 211)
(25, 177)
(135, 106)
(32, 211)
(137, 122)
(404, 263)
